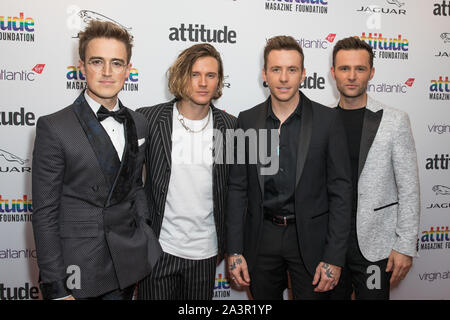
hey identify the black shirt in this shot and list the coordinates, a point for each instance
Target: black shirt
(279, 189)
(353, 123)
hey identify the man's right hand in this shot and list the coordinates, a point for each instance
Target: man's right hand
(238, 270)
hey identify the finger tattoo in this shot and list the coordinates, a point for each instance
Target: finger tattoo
(328, 271)
(234, 264)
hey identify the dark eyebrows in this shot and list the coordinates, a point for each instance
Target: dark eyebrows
(103, 59)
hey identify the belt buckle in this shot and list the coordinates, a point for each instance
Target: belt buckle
(284, 224)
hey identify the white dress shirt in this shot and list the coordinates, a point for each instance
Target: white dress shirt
(113, 128)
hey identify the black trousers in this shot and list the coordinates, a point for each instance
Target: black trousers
(175, 278)
(368, 279)
(118, 294)
(279, 253)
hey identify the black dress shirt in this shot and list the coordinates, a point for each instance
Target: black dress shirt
(279, 189)
(353, 123)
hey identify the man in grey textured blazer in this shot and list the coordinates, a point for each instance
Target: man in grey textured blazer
(90, 213)
(386, 203)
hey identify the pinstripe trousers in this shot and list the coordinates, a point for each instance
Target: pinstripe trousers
(175, 278)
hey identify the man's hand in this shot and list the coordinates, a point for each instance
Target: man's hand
(399, 264)
(328, 275)
(238, 270)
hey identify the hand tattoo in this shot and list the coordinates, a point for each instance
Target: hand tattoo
(233, 265)
(328, 271)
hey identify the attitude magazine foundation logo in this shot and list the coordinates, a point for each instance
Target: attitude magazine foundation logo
(75, 80)
(299, 6)
(390, 48)
(16, 210)
(19, 29)
(439, 89)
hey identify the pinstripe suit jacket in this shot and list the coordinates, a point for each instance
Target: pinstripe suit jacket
(158, 165)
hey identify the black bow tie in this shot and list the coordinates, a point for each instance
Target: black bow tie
(104, 113)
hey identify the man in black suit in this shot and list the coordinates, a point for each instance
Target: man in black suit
(297, 219)
(90, 212)
(187, 176)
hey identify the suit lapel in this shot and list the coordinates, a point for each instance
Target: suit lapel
(305, 136)
(371, 123)
(165, 130)
(123, 182)
(98, 138)
(260, 123)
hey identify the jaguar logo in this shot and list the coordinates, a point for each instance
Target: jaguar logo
(445, 36)
(443, 190)
(88, 15)
(396, 2)
(11, 157)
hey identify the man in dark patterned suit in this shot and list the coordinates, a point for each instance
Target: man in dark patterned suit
(90, 210)
(186, 178)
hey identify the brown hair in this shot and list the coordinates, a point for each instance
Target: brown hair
(179, 73)
(104, 29)
(282, 43)
(352, 43)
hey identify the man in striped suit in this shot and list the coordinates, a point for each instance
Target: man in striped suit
(186, 178)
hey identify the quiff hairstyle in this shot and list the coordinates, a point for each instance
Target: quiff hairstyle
(179, 73)
(282, 43)
(104, 29)
(352, 43)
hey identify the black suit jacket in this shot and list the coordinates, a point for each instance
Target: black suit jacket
(159, 158)
(323, 190)
(89, 207)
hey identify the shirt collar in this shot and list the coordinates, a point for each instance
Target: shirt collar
(95, 105)
(297, 111)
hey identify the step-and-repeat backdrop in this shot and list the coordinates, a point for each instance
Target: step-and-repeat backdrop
(39, 74)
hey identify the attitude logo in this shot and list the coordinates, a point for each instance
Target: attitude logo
(439, 89)
(77, 81)
(23, 75)
(19, 210)
(300, 6)
(19, 28)
(442, 9)
(26, 292)
(399, 88)
(198, 33)
(20, 118)
(396, 8)
(387, 48)
(222, 287)
(438, 162)
(311, 82)
(435, 238)
(10, 163)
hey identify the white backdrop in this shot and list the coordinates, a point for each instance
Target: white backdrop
(39, 75)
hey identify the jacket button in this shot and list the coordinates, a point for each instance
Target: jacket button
(94, 188)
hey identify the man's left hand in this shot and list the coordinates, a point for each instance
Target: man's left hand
(328, 275)
(399, 264)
